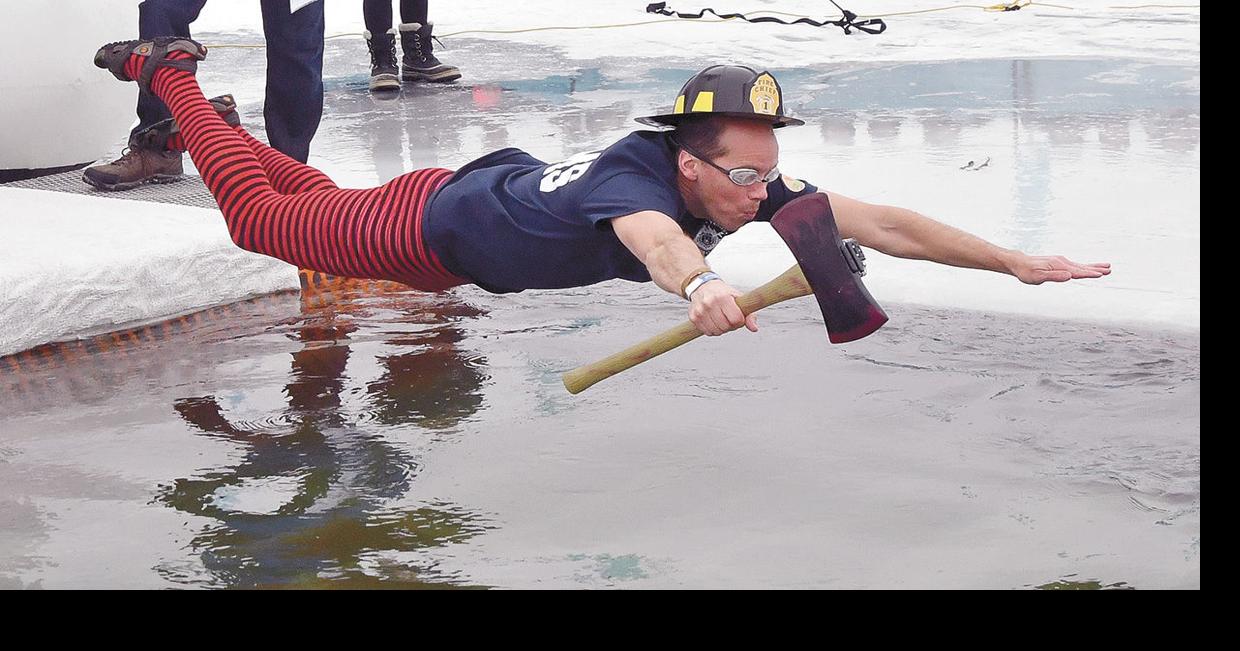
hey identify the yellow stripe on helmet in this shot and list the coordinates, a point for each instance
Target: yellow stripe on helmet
(705, 102)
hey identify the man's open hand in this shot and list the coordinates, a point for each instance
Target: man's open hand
(1035, 270)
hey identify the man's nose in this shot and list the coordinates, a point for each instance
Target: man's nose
(757, 191)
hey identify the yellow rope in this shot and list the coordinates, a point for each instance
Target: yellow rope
(1020, 4)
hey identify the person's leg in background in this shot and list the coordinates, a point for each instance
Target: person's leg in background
(381, 41)
(294, 103)
(419, 62)
(162, 18)
(145, 160)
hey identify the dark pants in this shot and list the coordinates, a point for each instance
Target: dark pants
(378, 14)
(294, 103)
(162, 18)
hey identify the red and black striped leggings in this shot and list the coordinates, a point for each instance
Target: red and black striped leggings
(279, 207)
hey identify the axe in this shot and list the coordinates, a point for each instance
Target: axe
(829, 268)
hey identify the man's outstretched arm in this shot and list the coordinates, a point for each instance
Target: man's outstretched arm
(906, 234)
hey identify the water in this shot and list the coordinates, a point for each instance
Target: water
(408, 440)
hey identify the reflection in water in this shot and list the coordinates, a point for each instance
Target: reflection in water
(1031, 154)
(942, 131)
(839, 129)
(1113, 135)
(317, 492)
(1177, 131)
(884, 128)
(93, 369)
(413, 386)
(312, 501)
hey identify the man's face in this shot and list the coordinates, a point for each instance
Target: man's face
(746, 143)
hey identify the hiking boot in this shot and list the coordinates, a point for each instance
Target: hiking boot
(154, 153)
(384, 73)
(419, 64)
(146, 160)
(115, 57)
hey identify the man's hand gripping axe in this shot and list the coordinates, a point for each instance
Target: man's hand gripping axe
(829, 268)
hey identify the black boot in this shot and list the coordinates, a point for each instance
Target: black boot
(419, 64)
(384, 74)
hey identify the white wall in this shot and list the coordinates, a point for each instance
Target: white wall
(56, 107)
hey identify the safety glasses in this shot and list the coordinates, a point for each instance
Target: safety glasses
(741, 176)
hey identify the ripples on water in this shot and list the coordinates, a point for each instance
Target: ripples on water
(288, 436)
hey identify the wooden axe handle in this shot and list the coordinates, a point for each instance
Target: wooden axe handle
(790, 284)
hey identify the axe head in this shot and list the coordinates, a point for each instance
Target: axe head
(808, 228)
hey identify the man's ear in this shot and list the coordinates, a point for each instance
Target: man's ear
(687, 164)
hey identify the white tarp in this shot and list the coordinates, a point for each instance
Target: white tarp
(77, 264)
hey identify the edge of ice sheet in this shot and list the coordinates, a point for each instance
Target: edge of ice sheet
(90, 264)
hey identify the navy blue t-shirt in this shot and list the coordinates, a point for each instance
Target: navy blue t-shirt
(510, 222)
